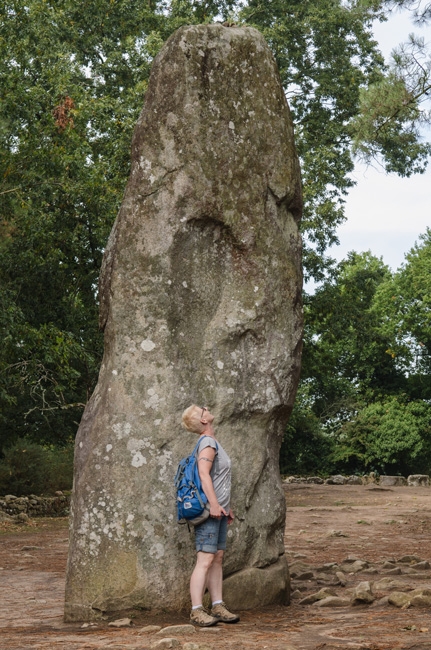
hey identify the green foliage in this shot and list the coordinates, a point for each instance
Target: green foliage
(389, 120)
(391, 436)
(366, 375)
(403, 305)
(326, 53)
(73, 78)
(29, 468)
(305, 450)
(345, 353)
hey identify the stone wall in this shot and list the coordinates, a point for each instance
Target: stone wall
(414, 480)
(35, 506)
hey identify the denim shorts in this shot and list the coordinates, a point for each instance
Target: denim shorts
(210, 536)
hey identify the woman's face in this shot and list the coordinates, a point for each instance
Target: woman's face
(206, 416)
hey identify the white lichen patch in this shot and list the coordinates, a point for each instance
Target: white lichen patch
(165, 461)
(122, 429)
(157, 551)
(157, 497)
(135, 445)
(154, 401)
(147, 345)
(220, 365)
(138, 460)
(157, 423)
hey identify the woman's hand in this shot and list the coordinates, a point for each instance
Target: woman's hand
(230, 517)
(217, 511)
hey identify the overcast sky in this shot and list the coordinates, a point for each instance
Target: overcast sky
(386, 213)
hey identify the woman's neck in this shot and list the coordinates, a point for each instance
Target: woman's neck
(208, 431)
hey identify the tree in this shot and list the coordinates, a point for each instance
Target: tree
(72, 82)
(403, 304)
(390, 436)
(346, 365)
(345, 354)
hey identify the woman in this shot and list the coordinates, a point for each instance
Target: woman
(215, 473)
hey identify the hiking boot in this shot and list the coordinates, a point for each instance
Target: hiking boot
(201, 617)
(221, 612)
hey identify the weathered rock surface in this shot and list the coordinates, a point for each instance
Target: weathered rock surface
(391, 481)
(176, 630)
(362, 594)
(416, 480)
(200, 296)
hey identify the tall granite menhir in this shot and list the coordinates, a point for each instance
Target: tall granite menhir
(200, 302)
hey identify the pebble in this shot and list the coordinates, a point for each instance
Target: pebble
(332, 601)
(166, 643)
(393, 572)
(307, 575)
(319, 595)
(421, 600)
(399, 599)
(149, 629)
(177, 629)
(362, 594)
(410, 559)
(342, 578)
(210, 630)
(121, 622)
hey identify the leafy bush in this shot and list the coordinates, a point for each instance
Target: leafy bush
(392, 436)
(29, 468)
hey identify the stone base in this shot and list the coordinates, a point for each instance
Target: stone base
(80, 613)
(253, 587)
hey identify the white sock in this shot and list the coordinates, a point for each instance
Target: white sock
(217, 602)
(196, 606)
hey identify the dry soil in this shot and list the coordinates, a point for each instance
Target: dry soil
(326, 525)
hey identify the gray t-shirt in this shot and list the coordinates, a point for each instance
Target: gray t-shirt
(220, 471)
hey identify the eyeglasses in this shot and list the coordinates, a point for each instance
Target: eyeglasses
(204, 408)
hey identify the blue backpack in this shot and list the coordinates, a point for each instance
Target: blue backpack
(192, 502)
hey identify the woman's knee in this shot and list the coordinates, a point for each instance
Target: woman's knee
(205, 560)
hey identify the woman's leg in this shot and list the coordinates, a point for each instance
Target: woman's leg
(198, 580)
(215, 577)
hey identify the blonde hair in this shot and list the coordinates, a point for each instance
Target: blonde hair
(191, 419)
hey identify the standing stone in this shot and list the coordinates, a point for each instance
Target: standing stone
(200, 295)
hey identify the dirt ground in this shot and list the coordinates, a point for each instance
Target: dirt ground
(328, 528)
